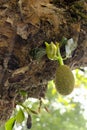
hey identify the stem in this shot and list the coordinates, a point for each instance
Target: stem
(60, 59)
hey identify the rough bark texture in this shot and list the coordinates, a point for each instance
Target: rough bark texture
(24, 27)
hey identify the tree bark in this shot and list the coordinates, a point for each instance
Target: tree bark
(25, 25)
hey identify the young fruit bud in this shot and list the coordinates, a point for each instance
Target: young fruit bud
(51, 50)
(64, 80)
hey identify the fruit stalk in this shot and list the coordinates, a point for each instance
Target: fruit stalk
(60, 59)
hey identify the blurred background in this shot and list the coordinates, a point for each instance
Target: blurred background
(54, 112)
(57, 112)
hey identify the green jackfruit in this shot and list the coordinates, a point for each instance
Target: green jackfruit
(64, 80)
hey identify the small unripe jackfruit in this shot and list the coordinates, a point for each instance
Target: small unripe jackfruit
(64, 80)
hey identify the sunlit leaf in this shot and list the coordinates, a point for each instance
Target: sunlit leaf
(73, 105)
(54, 91)
(10, 124)
(20, 116)
(62, 100)
(81, 78)
(51, 84)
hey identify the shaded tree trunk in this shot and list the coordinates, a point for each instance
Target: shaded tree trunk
(24, 27)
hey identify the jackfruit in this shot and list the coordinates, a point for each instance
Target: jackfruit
(64, 80)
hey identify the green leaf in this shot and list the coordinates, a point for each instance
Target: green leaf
(70, 47)
(10, 124)
(20, 116)
(32, 111)
(63, 41)
(23, 93)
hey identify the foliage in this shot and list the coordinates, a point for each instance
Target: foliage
(66, 113)
(18, 117)
(10, 123)
(55, 111)
(81, 77)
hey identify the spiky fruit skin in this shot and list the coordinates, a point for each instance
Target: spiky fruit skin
(64, 80)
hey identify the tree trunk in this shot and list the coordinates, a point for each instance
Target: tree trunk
(25, 25)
